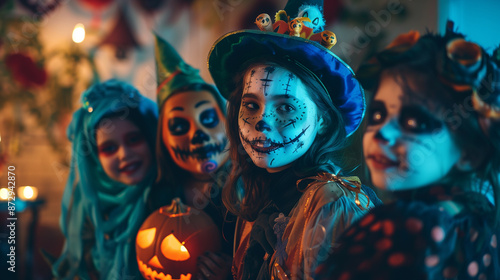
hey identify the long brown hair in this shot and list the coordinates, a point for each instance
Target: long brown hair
(245, 200)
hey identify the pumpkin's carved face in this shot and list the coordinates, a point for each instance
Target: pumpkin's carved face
(328, 39)
(168, 245)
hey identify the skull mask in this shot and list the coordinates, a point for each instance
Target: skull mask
(315, 14)
(193, 131)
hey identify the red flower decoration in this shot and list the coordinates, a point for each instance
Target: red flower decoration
(25, 71)
(97, 5)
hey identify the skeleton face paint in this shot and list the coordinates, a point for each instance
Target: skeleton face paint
(405, 146)
(194, 132)
(315, 14)
(278, 121)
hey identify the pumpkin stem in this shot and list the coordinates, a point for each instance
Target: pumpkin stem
(177, 207)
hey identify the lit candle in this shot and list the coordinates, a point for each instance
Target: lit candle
(78, 33)
(4, 194)
(27, 193)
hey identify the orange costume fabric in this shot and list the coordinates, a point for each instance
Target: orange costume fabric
(327, 207)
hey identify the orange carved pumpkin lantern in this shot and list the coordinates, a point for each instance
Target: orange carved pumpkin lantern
(171, 239)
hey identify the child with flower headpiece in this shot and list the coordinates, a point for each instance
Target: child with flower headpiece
(291, 104)
(432, 140)
(112, 170)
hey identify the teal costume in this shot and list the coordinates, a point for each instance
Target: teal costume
(100, 216)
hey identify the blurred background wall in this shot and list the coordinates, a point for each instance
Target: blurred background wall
(43, 72)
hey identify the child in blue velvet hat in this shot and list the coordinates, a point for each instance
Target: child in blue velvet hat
(291, 104)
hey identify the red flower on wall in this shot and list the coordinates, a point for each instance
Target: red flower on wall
(25, 71)
(96, 5)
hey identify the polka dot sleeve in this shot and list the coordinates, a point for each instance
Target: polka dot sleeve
(324, 229)
(414, 241)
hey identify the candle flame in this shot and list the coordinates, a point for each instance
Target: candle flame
(78, 33)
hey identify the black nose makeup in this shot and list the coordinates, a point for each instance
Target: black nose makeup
(262, 125)
(380, 137)
(199, 137)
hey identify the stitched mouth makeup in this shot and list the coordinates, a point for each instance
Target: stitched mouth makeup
(200, 153)
(266, 145)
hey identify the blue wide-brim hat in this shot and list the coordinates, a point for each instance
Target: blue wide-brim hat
(234, 49)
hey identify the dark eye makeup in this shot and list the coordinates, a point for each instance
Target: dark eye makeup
(413, 119)
(377, 113)
(209, 118)
(110, 147)
(178, 126)
(133, 139)
(107, 148)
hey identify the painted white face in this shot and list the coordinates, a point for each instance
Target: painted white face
(194, 132)
(278, 121)
(123, 151)
(405, 145)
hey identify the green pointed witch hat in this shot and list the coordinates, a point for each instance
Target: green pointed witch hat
(173, 74)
